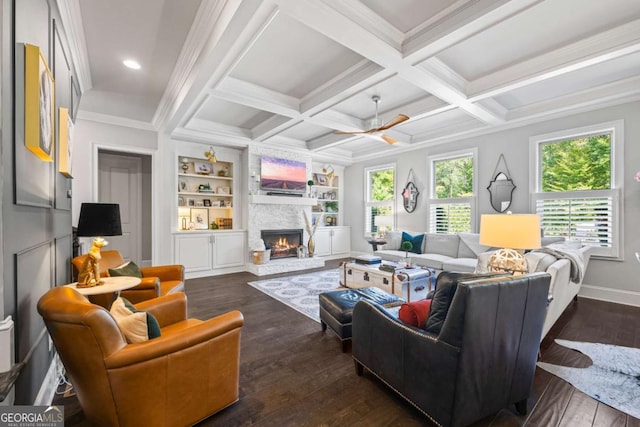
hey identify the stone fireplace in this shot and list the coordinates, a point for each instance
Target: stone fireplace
(283, 243)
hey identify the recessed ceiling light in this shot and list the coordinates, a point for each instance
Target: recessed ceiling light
(130, 63)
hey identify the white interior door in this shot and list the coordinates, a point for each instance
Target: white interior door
(120, 182)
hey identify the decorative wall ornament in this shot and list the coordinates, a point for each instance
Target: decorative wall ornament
(501, 188)
(410, 193)
(39, 105)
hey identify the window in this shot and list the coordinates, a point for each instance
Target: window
(380, 198)
(453, 194)
(575, 189)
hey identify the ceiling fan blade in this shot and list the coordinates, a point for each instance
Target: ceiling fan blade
(388, 139)
(396, 121)
(348, 133)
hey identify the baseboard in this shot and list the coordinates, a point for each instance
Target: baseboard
(610, 295)
(50, 384)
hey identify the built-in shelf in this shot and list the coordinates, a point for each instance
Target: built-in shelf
(191, 193)
(261, 199)
(195, 175)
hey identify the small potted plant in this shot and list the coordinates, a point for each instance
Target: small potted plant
(406, 246)
(310, 184)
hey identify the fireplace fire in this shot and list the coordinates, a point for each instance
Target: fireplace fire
(283, 243)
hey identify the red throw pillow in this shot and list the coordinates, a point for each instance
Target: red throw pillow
(415, 313)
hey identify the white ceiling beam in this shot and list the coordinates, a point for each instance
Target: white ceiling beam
(605, 46)
(233, 34)
(459, 24)
(339, 121)
(205, 138)
(272, 126)
(330, 141)
(218, 128)
(252, 95)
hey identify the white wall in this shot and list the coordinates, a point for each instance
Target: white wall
(618, 279)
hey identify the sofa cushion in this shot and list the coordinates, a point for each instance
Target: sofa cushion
(443, 244)
(483, 262)
(430, 260)
(547, 240)
(127, 269)
(390, 255)
(415, 313)
(393, 238)
(135, 325)
(416, 242)
(460, 264)
(538, 261)
(446, 286)
(469, 246)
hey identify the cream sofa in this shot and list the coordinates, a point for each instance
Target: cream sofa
(463, 252)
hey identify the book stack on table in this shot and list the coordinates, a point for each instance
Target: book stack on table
(368, 259)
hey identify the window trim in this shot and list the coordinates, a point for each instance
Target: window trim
(367, 193)
(616, 127)
(472, 200)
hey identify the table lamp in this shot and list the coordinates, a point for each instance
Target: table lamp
(96, 220)
(513, 233)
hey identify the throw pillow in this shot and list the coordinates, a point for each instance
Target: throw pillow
(415, 313)
(127, 269)
(416, 242)
(483, 262)
(446, 286)
(135, 325)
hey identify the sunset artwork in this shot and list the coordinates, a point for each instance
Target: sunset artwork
(283, 174)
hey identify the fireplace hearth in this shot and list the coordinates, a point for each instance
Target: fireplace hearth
(283, 243)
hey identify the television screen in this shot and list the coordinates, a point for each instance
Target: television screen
(283, 175)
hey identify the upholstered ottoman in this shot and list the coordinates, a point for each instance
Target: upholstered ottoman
(336, 308)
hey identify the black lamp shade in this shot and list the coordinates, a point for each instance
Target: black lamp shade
(99, 219)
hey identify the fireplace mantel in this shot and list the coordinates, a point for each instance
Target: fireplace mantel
(261, 199)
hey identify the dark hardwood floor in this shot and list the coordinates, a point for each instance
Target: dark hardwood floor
(292, 374)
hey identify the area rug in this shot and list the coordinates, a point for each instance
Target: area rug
(301, 292)
(613, 379)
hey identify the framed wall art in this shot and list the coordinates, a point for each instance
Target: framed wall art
(200, 217)
(39, 106)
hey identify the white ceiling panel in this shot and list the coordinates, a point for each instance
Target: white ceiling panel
(293, 59)
(547, 25)
(584, 79)
(305, 131)
(393, 93)
(447, 118)
(227, 113)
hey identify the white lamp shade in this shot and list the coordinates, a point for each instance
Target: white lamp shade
(513, 231)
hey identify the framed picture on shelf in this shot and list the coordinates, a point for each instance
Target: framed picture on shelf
(203, 168)
(207, 202)
(182, 185)
(320, 178)
(191, 202)
(200, 217)
(180, 201)
(215, 204)
(223, 190)
(199, 203)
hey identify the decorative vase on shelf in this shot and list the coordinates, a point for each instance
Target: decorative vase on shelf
(311, 247)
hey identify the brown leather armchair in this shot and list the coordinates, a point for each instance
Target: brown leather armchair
(475, 355)
(188, 373)
(156, 281)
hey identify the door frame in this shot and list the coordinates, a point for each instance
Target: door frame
(95, 173)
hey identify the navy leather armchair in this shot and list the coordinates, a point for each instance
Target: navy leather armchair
(475, 355)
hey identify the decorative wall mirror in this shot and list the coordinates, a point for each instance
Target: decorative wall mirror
(501, 188)
(410, 194)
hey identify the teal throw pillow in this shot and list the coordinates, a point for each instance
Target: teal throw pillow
(153, 327)
(127, 269)
(416, 242)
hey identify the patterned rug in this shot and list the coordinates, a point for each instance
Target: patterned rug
(613, 379)
(301, 292)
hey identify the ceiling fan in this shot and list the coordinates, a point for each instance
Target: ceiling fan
(377, 131)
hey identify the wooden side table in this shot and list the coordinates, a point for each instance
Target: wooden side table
(374, 242)
(111, 285)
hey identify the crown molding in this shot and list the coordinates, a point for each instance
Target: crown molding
(71, 18)
(115, 120)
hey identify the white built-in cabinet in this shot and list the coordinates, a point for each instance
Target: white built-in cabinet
(208, 253)
(332, 242)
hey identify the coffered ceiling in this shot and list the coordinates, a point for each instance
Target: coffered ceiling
(291, 72)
